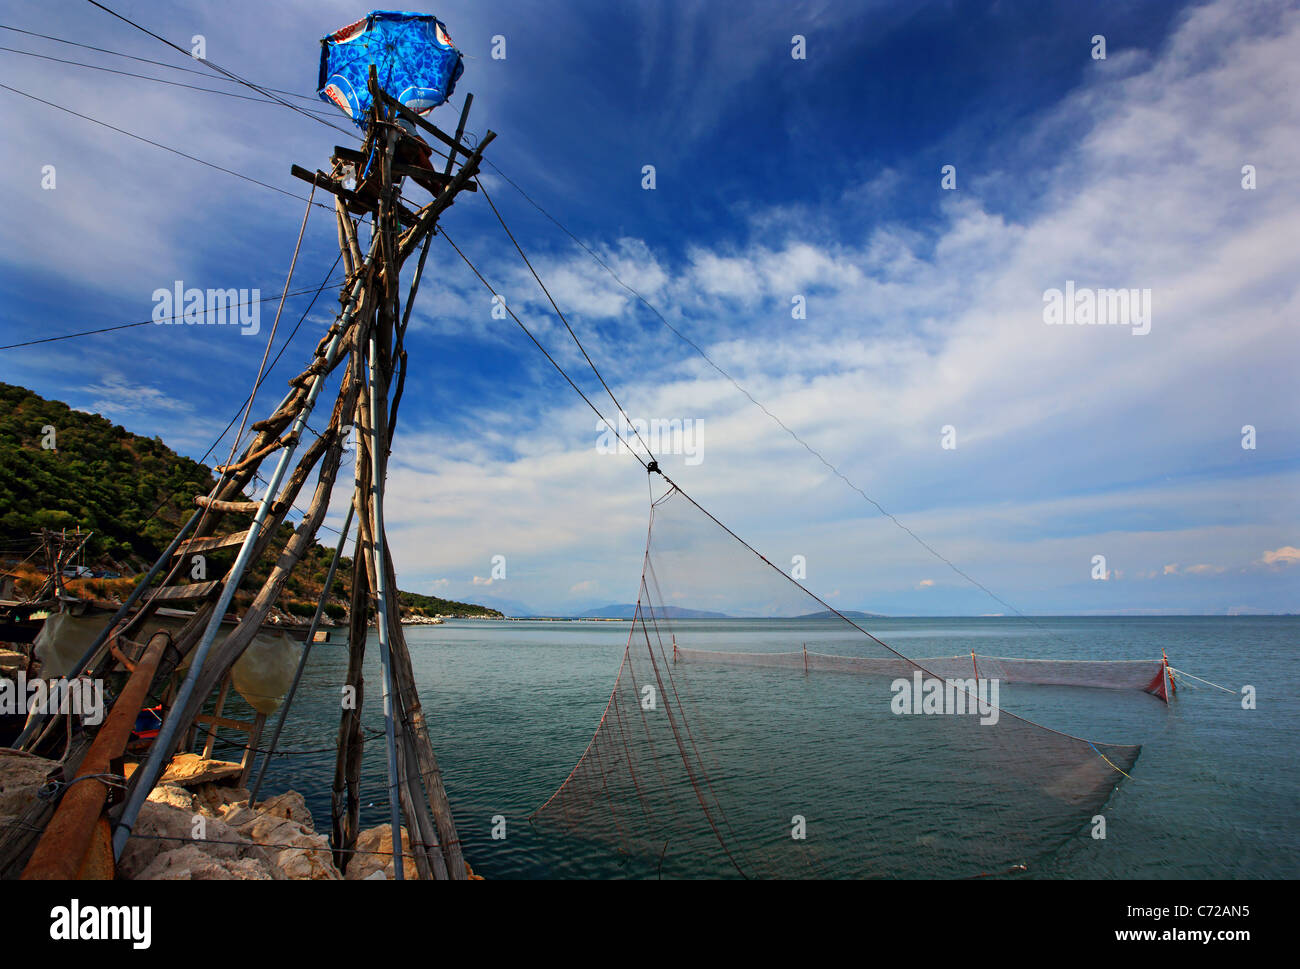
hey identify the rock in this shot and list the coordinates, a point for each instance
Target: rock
(164, 843)
(162, 828)
(379, 841)
(192, 862)
(21, 776)
(291, 805)
(237, 842)
(292, 845)
(313, 861)
(176, 797)
(215, 800)
(190, 770)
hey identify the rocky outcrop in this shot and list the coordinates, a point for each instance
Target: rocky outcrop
(21, 776)
(206, 830)
(191, 770)
(374, 857)
(171, 832)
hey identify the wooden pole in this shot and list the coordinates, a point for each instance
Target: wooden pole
(376, 507)
(306, 652)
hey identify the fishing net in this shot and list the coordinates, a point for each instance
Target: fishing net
(1145, 675)
(762, 766)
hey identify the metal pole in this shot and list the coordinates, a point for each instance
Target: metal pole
(147, 776)
(306, 651)
(381, 594)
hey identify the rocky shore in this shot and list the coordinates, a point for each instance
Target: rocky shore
(208, 831)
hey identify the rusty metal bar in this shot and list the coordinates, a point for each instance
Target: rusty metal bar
(70, 834)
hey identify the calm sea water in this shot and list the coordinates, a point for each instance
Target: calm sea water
(512, 706)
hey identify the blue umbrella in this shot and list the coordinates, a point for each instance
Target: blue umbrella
(414, 57)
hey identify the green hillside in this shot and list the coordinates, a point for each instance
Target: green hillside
(133, 492)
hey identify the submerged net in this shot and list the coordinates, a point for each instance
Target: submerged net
(1145, 675)
(758, 770)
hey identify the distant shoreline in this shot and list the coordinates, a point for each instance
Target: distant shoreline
(1172, 615)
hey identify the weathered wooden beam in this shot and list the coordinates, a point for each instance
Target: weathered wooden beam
(460, 133)
(212, 720)
(401, 109)
(226, 507)
(430, 213)
(181, 593)
(321, 180)
(212, 543)
(429, 772)
(345, 804)
(329, 446)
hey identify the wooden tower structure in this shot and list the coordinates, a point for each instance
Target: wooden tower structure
(366, 344)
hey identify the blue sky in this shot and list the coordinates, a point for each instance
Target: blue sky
(775, 178)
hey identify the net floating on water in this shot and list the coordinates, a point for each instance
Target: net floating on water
(701, 770)
(1145, 675)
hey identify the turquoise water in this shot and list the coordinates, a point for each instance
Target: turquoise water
(512, 706)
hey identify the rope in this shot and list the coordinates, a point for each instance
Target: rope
(270, 341)
(221, 70)
(1206, 682)
(146, 60)
(523, 255)
(143, 77)
(127, 326)
(156, 144)
(529, 333)
(1105, 758)
(777, 420)
(55, 789)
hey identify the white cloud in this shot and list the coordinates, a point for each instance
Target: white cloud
(1286, 555)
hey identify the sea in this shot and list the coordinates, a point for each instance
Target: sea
(512, 705)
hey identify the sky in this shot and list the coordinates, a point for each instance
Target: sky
(804, 229)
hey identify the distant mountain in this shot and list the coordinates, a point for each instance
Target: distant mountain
(846, 613)
(628, 611)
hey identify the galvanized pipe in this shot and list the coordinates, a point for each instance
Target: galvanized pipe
(147, 775)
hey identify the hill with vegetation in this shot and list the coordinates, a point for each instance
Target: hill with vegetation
(133, 493)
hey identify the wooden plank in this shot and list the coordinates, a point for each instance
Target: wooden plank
(460, 132)
(175, 593)
(231, 507)
(353, 199)
(415, 119)
(205, 719)
(216, 716)
(254, 738)
(434, 182)
(430, 213)
(194, 545)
